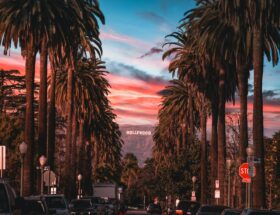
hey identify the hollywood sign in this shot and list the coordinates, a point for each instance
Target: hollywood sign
(135, 132)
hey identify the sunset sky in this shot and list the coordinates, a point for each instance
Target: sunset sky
(132, 44)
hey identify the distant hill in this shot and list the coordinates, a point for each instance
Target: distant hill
(138, 139)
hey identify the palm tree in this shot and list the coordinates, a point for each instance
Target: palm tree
(85, 32)
(51, 121)
(176, 105)
(206, 23)
(266, 17)
(260, 20)
(193, 67)
(24, 24)
(90, 103)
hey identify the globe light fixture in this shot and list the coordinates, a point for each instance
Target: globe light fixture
(23, 148)
(79, 177)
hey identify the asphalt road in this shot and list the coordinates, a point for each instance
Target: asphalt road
(138, 212)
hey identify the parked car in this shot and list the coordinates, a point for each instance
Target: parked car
(154, 209)
(9, 203)
(98, 203)
(187, 207)
(35, 205)
(56, 204)
(111, 207)
(82, 206)
(250, 211)
(232, 212)
(211, 209)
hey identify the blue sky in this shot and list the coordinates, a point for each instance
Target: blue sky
(133, 29)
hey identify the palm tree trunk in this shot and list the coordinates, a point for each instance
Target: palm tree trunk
(2, 79)
(221, 135)
(184, 135)
(191, 119)
(29, 180)
(51, 119)
(203, 159)
(96, 157)
(81, 148)
(88, 172)
(214, 148)
(259, 180)
(42, 124)
(74, 151)
(68, 177)
(243, 92)
(178, 146)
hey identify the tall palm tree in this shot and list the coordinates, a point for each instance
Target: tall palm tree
(90, 99)
(260, 20)
(188, 64)
(205, 22)
(263, 16)
(85, 33)
(176, 106)
(24, 24)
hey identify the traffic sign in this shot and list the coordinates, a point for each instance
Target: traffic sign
(217, 194)
(246, 172)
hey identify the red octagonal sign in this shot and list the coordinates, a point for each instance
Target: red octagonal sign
(244, 172)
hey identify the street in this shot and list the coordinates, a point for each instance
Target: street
(140, 212)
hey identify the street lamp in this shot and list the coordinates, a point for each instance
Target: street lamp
(229, 163)
(42, 161)
(22, 150)
(250, 151)
(193, 197)
(250, 159)
(193, 181)
(80, 177)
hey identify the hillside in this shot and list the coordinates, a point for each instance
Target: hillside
(138, 140)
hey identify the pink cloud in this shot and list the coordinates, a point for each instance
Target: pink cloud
(137, 102)
(113, 36)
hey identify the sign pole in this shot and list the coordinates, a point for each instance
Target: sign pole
(2, 159)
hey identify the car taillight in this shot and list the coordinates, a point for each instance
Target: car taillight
(179, 212)
(189, 213)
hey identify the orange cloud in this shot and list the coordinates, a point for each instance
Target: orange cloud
(137, 101)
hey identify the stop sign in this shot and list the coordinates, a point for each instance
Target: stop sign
(244, 172)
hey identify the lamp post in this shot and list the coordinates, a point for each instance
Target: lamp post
(193, 181)
(42, 161)
(193, 197)
(270, 191)
(229, 164)
(22, 150)
(80, 177)
(250, 159)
